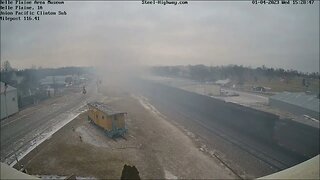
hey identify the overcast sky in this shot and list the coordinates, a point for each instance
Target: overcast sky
(125, 33)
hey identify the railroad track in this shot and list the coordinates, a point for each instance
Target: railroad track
(252, 150)
(21, 143)
(39, 137)
(236, 142)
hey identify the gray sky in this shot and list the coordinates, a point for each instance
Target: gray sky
(129, 33)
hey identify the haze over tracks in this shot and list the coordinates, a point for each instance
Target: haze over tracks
(243, 138)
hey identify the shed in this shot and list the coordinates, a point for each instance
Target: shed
(59, 81)
(296, 103)
(223, 82)
(259, 89)
(9, 100)
(113, 122)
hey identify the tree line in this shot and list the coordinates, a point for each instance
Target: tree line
(237, 73)
(30, 78)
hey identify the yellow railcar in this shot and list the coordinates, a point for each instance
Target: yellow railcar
(113, 122)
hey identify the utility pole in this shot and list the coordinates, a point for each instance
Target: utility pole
(5, 98)
(5, 102)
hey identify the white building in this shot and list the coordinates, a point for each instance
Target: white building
(53, 80)
(223, 82)
(9, 100)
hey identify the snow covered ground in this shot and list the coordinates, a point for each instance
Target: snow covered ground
(21, 133)
(57, 123)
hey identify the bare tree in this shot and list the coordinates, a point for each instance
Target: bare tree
(6, 66)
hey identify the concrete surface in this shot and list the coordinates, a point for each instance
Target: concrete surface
(307, 170)
(8, 172)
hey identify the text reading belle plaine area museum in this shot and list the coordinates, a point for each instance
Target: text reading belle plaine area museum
(24, 10)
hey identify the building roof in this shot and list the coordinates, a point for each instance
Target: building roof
(49, 80)
(10, 88)
(223, 82)
(104, 108)
(301, 99)
(305, 170)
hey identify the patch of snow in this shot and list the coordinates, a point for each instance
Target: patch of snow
(69, 116)
(61, 177)
(190, 134)
(169, 175)
(311, 118)
(144, 102)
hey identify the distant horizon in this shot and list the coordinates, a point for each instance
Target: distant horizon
(225, 65)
